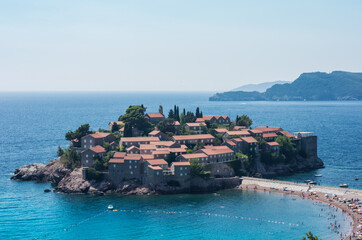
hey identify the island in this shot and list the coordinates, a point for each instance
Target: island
(315, 86)
(148, 153)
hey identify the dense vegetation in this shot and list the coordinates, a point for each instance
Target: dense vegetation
(337, 85)
(79, 133)
(135, 118)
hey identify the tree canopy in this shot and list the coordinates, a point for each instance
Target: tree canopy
(166, 125)
(79, 133)
(135, 118)
(244, 120)
(310, 236)
(287, 147)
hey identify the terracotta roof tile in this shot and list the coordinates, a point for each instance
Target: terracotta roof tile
(116, 160)
(249, 139)
(193, 137)
(98, 149)
(119, 155)
(272, 143)
(140, 139)
(181, 163)
(155, 115)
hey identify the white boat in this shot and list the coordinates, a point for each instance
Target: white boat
(110, 207)
(312, 182)
(344, 185)
(318, 175)
(307, 181)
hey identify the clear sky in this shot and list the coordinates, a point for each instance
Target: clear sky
(173, 45)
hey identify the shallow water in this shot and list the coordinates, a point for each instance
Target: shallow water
(33, 125)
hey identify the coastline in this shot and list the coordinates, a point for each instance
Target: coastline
(313, 192)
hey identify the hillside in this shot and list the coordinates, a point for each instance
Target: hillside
(260, 87)
(316, 86)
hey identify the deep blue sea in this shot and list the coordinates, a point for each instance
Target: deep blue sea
(33, 125)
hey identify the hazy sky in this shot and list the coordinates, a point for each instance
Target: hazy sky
(173, 45)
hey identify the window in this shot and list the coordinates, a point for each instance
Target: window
(135, 166)
(90, 141)
(157, 173)
(180, 174)
(131, 172)
(86, 161)
(86, 155)
(85, 140)
(90, 146)
(185, 174)
(185, 168)
(180, 168)
(85, 146)
(130, 167)
(114, 165)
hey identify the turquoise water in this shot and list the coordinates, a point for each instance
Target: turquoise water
(33, 125)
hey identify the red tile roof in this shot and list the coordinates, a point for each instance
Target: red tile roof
(193, 137)
(155, 115)
(231, 143)
(147, 156)
(287, 134)
(116, 160)
(159, 151)
(132, 147)
(98, 149)
(119, 155)
(154, 132)
(249, 139)
(194, 155)
(272, 143)
(155, 167)
(239, 133)
(255, 131)
(177, 123)
(269, 135)
(216, 151)
(195, 124)
(147, 147)
(269, 129)
(99, 134)
(157, 162)
(220, 130)
(200, 120)
(140, 139)
(239, 127)
(181, 163)
(133, 157)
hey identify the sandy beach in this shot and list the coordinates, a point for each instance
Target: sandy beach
(314, 192)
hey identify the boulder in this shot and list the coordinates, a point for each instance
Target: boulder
(52, 172)
(73, 183)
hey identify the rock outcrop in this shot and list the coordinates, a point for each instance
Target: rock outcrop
(297, 165)
(52, 172)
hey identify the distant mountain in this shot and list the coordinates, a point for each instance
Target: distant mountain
(261, 87)
(314, 86)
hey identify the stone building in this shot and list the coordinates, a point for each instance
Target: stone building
(88, 155)
(97, 138)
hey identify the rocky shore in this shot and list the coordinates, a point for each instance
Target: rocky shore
(71, 181)
(296, 165)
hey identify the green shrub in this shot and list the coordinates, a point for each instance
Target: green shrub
(93, 174)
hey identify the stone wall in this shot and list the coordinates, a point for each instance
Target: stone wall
(198, 184)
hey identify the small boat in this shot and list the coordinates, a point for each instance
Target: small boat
(307, 181)
(312, 182)
(110, 207)
(318, 175)
(356, 178)
(344, 185)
